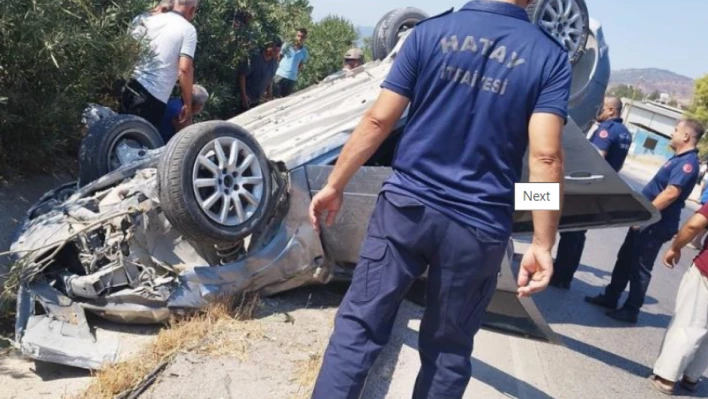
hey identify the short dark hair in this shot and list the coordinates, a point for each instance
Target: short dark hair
(696, 126)
(303, 31)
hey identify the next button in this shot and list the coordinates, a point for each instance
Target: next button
(537, 196)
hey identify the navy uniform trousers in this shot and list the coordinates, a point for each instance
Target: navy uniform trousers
(635, 262)
(570, 250)
(403, 238)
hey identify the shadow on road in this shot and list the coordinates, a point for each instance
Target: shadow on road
(378, 384)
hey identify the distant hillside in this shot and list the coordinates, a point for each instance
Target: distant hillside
(677, 86)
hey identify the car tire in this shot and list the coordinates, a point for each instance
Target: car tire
(189, 174)
(558, 28)
(97, 153)
(390, 26)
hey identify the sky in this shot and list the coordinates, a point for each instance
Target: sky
(666, 34)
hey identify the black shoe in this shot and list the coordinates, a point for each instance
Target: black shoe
(601, 300)
(559, 284)
(623, 314)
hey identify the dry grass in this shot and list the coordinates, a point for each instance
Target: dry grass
(306, 375)
(222, 328)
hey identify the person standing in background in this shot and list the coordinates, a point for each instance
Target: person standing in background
(684, 351)
(173, 41)
(612, 139)
(292, 59)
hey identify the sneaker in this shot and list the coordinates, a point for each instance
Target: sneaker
(601, 300)
(623, 314)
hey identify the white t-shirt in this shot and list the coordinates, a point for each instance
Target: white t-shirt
(169, 36)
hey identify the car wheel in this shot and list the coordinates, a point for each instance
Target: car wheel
(113, 142)
(567, 21)
(214, 182)
(390, 28)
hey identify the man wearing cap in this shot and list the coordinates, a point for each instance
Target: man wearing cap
(354, 58)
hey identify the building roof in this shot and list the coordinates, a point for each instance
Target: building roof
(656, 108)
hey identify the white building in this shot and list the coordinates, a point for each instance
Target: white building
(651, 124)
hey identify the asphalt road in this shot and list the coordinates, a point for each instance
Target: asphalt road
(601, 358)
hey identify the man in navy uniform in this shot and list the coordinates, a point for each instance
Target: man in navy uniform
(613, 140)
(483, 85)
(668, 191)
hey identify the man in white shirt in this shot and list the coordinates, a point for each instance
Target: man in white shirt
(172, 41)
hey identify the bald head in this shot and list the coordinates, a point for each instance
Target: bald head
(611, 109)
(615, 104)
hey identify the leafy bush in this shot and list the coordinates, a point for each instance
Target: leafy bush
(699, 110)
(56, 56)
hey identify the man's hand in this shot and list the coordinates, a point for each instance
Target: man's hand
(245, 101)
(328, 200)
(185, 114)
(536, 271)
(672, 258)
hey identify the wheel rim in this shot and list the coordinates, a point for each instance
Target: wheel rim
(126, 148)
(563, 20)
(227, 181)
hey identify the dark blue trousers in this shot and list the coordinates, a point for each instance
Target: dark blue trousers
(635, 262)
(570, 249)
(403, 238)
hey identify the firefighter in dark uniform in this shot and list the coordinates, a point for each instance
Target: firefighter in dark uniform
(668, 191)
(483, 85)
(612, 139)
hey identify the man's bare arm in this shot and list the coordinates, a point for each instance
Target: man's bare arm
(689, 231)
(374, 127)
(546, 166)
(666, 197)
(186, 82)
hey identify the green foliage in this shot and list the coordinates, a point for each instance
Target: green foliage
(654, 95)
(699, 110)
(222, 46)
(627, 91)
(55, 57)
(328, 41)
(368, 49)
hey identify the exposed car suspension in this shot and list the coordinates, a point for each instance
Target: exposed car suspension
(230, 253)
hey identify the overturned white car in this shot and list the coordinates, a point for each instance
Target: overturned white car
(222, 208)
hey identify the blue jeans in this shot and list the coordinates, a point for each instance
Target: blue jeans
(403, 238)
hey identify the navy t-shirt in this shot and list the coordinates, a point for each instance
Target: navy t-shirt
(259, 74)
(615, 139)
(680, 171)
(474, 78)
(167, 129)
